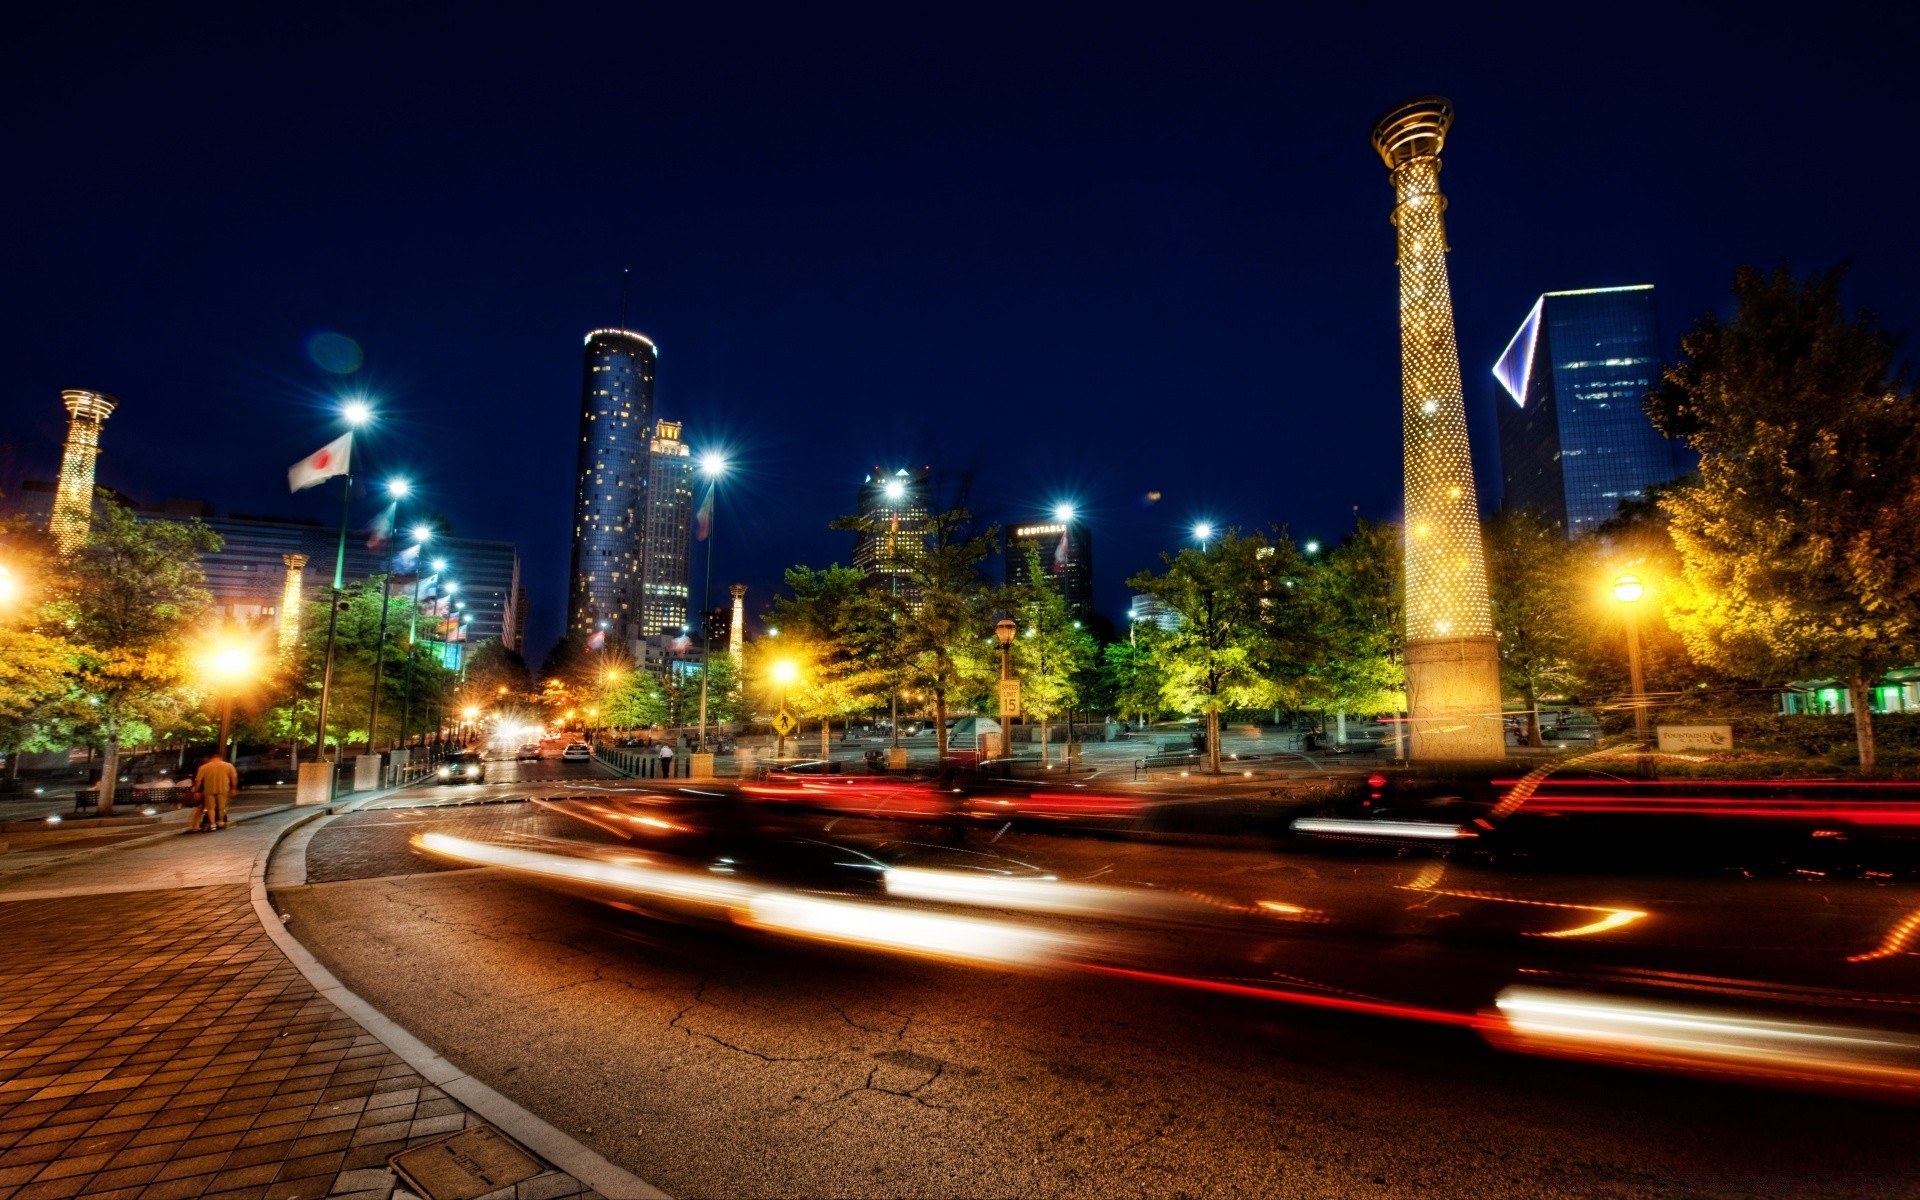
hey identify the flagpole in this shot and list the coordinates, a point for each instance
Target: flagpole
(706, 610)
(380, 643)
(333, 618)
(413, 629)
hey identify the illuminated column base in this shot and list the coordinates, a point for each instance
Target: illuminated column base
(1453, 699)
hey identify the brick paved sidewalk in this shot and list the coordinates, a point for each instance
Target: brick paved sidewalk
(156, 1043)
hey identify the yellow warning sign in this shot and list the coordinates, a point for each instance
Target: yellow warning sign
(784, 724)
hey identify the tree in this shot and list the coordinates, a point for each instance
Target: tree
(132, 596)
(1800, 543)
(1532, 577)
(1214, 658)
(1050, 650)
(356, 637)
(939, 641)
(33, 656)
(494, 670)
(1129, 682)
(1358, 593)
(827, 621)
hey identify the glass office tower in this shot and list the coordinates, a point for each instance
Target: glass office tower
(1574, 435)
(616, 424)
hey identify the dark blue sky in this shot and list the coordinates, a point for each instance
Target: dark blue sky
(1086, 254)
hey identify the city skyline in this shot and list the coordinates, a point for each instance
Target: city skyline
(1166, 258)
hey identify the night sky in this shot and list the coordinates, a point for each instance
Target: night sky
(1083, 256)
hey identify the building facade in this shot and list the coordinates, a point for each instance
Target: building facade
(668, 525)
(616, 424)
(1065, 547)
(895, 507)
(1575, 439)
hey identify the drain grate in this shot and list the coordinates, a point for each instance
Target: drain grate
(465, 1166)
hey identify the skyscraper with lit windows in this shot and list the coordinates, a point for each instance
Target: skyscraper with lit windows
(668, 551)
(1065, 547)
(604, 595)
(894, 507)
(1574, 435)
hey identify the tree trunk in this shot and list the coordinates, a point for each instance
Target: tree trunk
(1213, 741)
(1533, 713)
(826, 733)
(940, 725)
(1858, 691)
(1043, 739)
(109, 774)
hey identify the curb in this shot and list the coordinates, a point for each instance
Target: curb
(548, 1142)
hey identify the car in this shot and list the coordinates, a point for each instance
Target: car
(462, 768)
(527, 753)
(577, 752)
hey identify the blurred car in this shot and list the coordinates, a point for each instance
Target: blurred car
(462, 768)
(577, 752)
(527, 753)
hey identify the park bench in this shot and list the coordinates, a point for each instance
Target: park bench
(86, 800)
(1166, 762)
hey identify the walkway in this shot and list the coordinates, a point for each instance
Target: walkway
(155, 1043)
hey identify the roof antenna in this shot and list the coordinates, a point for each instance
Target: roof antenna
(626, 288)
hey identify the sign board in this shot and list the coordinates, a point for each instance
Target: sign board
(784, 724)
(1696, 737)
(1009, 698)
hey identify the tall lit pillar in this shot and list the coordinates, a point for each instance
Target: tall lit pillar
(1453, 661)
(73, 499)
(737, 628)
(290, 600)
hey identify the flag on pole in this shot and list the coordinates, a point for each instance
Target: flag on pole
(703, 520)
(598, 640)
(1060, 555)
(407, 561)
(323, 464)
(381, 530)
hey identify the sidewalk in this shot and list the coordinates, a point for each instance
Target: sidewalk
(155, 1043)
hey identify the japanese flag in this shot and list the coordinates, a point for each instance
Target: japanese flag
(323, 464)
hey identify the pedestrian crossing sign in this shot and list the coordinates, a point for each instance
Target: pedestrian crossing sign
(784, 724)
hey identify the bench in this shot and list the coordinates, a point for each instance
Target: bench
(1166, 762)
(86, 799)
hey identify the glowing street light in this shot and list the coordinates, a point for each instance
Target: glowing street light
(398, 488)
(1628, 590)
(1063, 512)
(230, 664)
(895, 489)
(1203, 533)
(422, 534)
(356, 412)
(439, 564)
(713, 464)
(9, 586)
(1311, 547)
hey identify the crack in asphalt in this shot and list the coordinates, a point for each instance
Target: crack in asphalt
(911, 1093)
(700, 998)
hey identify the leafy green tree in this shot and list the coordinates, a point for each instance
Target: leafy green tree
(827, 621)
(1128, 681)
(633, 699)
(1358, 593)
(939, 644)
(1051, 651)
(1800, 543)
(1534, 578)
(492, 667)
(131, 599)
(724, 700)
(1216, 658)
(34, 655)
(356, 637)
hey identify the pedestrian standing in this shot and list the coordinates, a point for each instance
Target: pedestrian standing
(666, 760)
(213, 785)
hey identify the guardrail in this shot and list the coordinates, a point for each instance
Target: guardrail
(637, 764)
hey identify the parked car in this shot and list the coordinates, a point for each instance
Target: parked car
(462, 768)
(577, 752)
(527, 753)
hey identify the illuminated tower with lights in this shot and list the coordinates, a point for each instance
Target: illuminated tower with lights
(1453, 660)
(736, 629)
(894, 509)
(290, 598)
(73, 499)
(610, 502)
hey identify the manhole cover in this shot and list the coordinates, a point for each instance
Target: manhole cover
(471, 1163)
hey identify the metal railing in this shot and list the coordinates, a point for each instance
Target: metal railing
(641, 764)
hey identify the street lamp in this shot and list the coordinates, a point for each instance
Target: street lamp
(398, 489)
(355, 413)
(1063, 512)
(713, 465)
(1628, 590)
(231, 664)
(1203, 533)
(1004, 631)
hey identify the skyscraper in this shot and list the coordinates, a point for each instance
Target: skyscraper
(668, 552)
(1453, 660)
(1065, 546)
(73, 501)
(1576, 441)
(616, 417)
(895, 508)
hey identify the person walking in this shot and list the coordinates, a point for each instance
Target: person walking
(213, 784)
(666, 760)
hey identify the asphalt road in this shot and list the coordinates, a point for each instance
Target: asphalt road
(724, 1064)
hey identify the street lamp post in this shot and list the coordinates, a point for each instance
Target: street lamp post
(713, 466)
(1203, 533)
(396, 488)
(1003, 632)
(231, 664)
(1628, 590)
(421, 534)
(356, 413)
